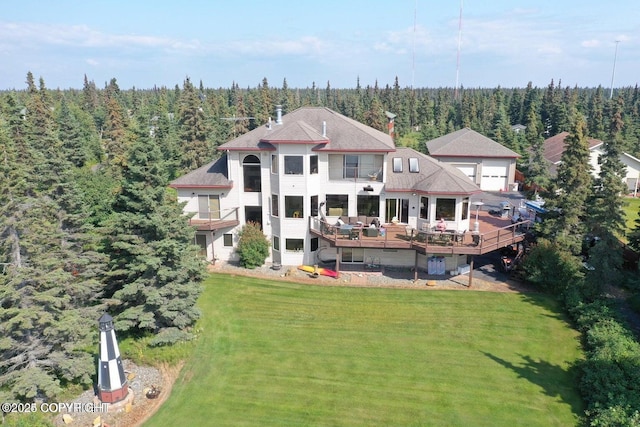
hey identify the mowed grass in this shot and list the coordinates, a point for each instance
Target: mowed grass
(284, 354)
(631, 209)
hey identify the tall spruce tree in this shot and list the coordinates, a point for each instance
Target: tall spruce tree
(154, 268)
(606, 214)
(49, 287)
(572, 187)
(196, 150)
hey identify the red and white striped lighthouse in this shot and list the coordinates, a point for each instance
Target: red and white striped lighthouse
(112, 382)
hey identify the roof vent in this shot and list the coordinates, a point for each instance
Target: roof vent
(278, 114)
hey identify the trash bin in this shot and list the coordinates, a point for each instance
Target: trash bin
(505, 209)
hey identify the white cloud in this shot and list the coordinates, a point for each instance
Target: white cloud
(591, 43)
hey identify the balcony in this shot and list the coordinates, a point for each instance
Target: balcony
(215, 220)
(495, 233)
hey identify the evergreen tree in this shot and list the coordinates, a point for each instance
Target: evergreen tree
(192, 129)
(49, 289)
(573, 185)
(537, 166)
(154, 270)
(606, 213)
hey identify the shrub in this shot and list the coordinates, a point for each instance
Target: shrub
(551, 268)
(253, 246)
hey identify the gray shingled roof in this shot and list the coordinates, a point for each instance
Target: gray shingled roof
(305, 125)
(433, 176)
(213, 174)
(467, 143)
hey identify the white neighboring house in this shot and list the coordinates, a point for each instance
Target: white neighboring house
(554, 147)
(486, 162)
(288, 174)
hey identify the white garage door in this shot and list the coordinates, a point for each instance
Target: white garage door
(494, 175)
(468, 170)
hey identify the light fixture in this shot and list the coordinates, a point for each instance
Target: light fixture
(367, 188)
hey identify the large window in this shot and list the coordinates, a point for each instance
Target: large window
(294, 245)
(209, 207)
(352, 255)
(337, 204)
(351, 166)
(369, 205)
(251, 173)
(293, 206)
(398, 209)
(275, 207)
(446, 208)
(313, 164)
(424, 207)
(293, 165)
(465, 208)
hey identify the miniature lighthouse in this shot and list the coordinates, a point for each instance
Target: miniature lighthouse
(112, 383)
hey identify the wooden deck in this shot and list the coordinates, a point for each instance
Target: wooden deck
(228, 218)
(495, 233)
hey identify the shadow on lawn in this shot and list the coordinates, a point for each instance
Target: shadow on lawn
(556, 381)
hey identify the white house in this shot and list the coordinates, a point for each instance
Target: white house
(555, 146)
(297, 175)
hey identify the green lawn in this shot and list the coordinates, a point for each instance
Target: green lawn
(631, 209)
(284, 354)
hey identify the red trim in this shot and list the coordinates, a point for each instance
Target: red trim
(198, 186)
(433, 193)
(246, 149)
(277, 141)
(437, 156)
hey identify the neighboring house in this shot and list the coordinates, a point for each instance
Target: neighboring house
(517, 128)
(554, 147)
(487, 163)
(298, 175)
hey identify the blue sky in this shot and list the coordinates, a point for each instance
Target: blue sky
(145, 43)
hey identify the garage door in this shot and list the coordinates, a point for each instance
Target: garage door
(468, 170)
(494, 176)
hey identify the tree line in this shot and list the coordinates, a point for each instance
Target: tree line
(87, 223)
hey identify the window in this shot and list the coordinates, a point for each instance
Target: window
(293, 165)
(350, 166)
(465, 208)
(314, 205)
(228, 239)
(397, 164)
(369, 205)
(275, 210)
(313, 165)
(314, 244)
(424, 207)
(201, 241)
(276, 243)
(274, 163)
(413, 165)
(251, 173)
(337, 204)
(294, 245)
(352, 255)
(209, 207)
(446, 208)
(293, 206)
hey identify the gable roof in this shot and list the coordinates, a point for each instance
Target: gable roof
(434, 177)
(554, 147)
(211, 175)
(331, 131)
(468, 143)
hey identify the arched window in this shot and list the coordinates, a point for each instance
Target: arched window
(251, 173)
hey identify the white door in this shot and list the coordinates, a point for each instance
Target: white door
(494, 175)
(468, 170)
